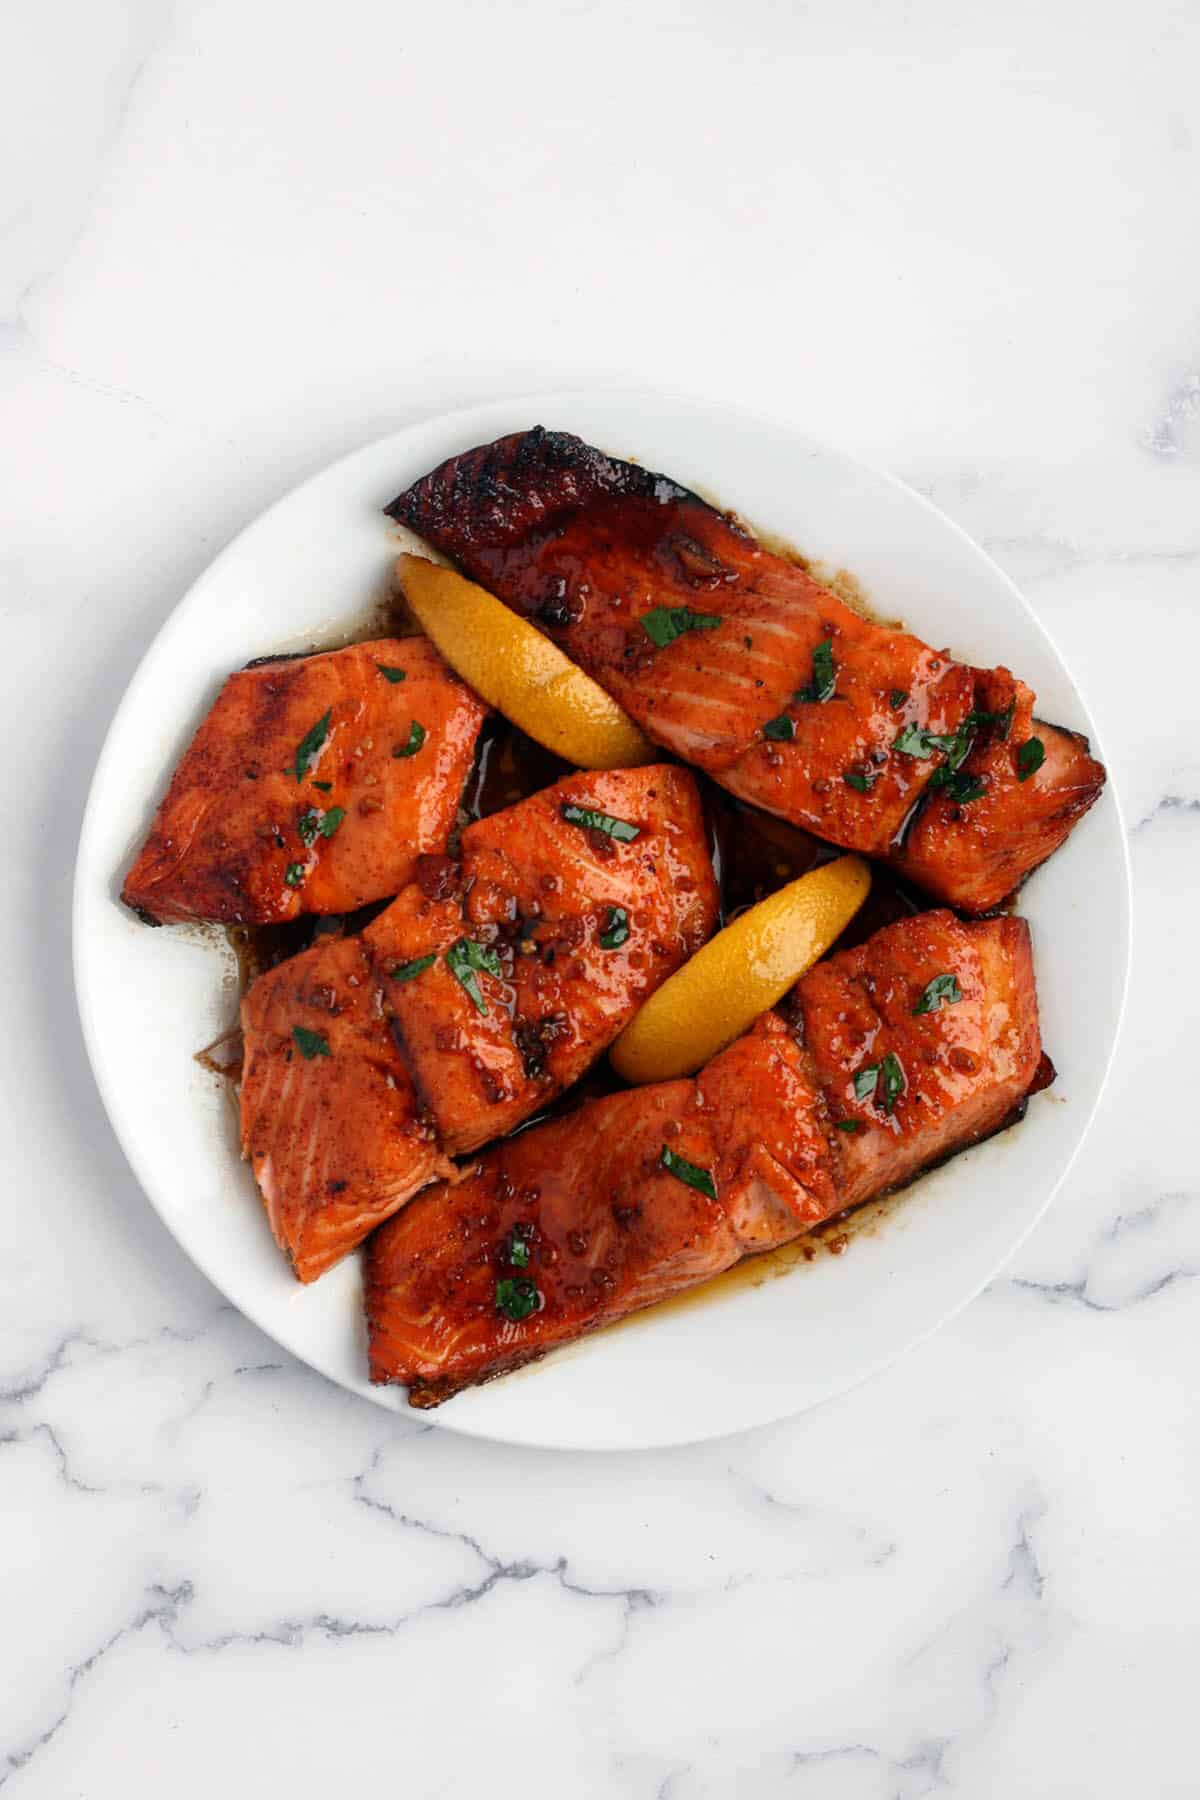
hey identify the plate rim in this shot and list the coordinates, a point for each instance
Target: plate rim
(391, 1399)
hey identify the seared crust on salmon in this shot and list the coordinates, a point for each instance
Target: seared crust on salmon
(486, 988)
(312, 786)
(740, 662)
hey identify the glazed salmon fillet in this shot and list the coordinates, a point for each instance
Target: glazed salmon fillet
(311, 787)
(924, 1040)
(331, 1123)
(576, 1223)
(1034, 784)
(487, 987)
(551, 932)
(598, 1214)
(731, 656)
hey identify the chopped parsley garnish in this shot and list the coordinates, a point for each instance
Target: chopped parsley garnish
(465, 959)
(962, 787)
(892, 1080)
(847, 1124)
(390, 674)
(865, 1081)
(589, 820)
(326, 787)
(943, 990)
(1030, 757)
(897, 698)
(688, 1173)
(663, 624)
(919, 741)
(782, 729)
(616, 929)
(518, 1247)
(313, 824)
(294, 874)
(824, 675)
(416, 737)
(860, 782)
(310, 1043)
(516, 1297)
(409, 970)
(887, 1075)
(310, 744)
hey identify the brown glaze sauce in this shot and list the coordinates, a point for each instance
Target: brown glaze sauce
(753, 854)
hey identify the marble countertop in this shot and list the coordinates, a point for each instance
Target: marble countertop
(242, 239)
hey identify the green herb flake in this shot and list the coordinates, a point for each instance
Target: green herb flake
(663, 624)
(782, 729)
(963, 788)
(326, 787)
(1030, 757)
(865, 1081)
(517, 1250)
(860, 782)
(919, 741)
(392, 675)
(410, 970)
(310, 744)
(516, 1297)
(943, 990)
(465, 960)
(416, 737)
(897, 698)
(892, 1080)
(294, 875)
(589, 820)
(824, 676)
(310, 1043)
(332, 820)
(616, 929)
(847, 1124)
(688, 1173)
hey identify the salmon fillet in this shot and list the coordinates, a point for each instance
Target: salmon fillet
(468, 1004)
(974, 855)
(924, 1039)
(734, 658)
(577, 925)
(311, 787)
(572, 1225)
(331, 1123)
(583, 1213)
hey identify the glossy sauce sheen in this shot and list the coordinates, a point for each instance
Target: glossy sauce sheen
(606, 1228)
(369, 1059)
(257, 829)
(589, 547)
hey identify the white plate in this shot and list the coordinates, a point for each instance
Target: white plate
(149, 998)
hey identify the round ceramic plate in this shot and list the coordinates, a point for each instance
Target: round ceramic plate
(749, 1353)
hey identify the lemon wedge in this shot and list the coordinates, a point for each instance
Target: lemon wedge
(739, 973)
(520, 672)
